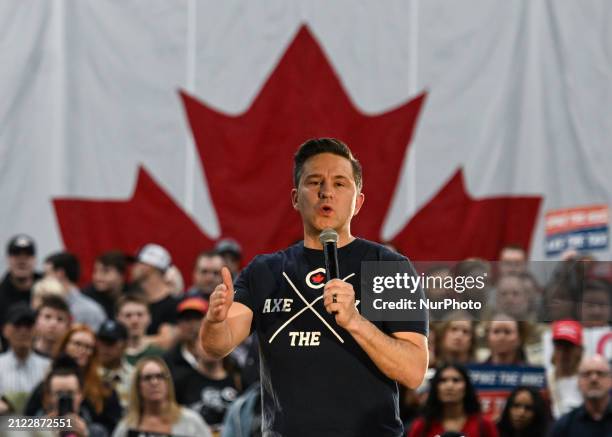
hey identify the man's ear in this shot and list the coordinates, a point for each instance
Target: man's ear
(294, 198)
(359, 203)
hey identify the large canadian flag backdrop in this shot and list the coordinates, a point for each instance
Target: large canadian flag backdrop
(478, 123)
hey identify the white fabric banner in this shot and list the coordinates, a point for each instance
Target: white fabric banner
(518, 96)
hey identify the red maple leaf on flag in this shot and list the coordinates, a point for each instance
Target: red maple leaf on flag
(248, 160)
(150, 215)
(453, 226)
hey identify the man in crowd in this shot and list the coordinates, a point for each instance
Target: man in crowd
(52, 322)
(209, 387)
(190, 313)
(21, 370)
(17, 283)
(108, 280)
(115, 371)
(513, 298)
(133, 313)
(152, 262)
(231, 252)
(65, 381)
(594, 416)
(512, 260)
(596, 304)
(206, 274)
(65, 267)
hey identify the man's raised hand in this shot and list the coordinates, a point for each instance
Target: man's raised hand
(221, 298)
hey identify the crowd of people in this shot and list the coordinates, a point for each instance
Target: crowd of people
(122, 354)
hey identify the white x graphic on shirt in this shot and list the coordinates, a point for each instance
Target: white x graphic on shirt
(309, 306)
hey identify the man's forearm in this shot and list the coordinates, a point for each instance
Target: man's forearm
(401, 360)
(216, 338)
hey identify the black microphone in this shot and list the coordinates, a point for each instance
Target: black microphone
(329, 240)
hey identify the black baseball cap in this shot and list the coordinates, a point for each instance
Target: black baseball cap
(20, 314)
(229, 246)
(112, 331)
(21, 244)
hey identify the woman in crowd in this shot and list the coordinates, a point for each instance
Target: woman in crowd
(45, 287)
(452, 405)
(153, 406)
(525, 414)
(79, 343)
(456, 339)
(506, 340)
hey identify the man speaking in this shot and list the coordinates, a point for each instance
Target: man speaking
(325, 369)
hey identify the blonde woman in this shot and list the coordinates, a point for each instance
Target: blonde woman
(46, 287)
(153, 406)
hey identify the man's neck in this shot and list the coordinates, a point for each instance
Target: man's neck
(597, 407)
(22, 354)
(22, 283)
(155, 288)
(44, 346)
(135, 343)
(311, 239)
(192, 347)
(212, 370)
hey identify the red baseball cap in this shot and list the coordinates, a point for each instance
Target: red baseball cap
(193, 304)
(568, 330)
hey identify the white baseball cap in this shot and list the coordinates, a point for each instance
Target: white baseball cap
(155, 255)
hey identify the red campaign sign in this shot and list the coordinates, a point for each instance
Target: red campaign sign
(494, 401)
(559, 221)
(494, 383)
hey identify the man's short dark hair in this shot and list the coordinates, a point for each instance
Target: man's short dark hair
(133, 297)
(63, 365)
(316, 146)
(54, 302)
(67, 262)
(115, 259)
(208, 254)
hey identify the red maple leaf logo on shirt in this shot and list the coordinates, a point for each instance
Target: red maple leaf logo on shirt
(248, 162)
(318, 278)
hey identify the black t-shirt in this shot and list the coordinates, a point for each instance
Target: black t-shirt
(162, 311)
(106, 300)
(9, 295)
(314, 384)
(208, 397)
(174, 360)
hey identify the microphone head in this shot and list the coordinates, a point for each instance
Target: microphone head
(328, 235)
